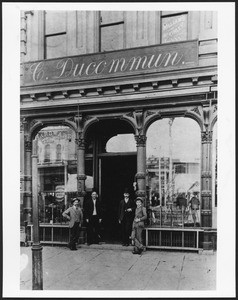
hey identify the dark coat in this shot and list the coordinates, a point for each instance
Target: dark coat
(122, 210)
(89, 207)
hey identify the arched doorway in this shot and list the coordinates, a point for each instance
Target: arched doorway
(111, 153)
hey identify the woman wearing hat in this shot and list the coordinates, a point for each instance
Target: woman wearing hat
(138, 225)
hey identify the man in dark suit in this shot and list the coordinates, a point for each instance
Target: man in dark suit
(93, 217)
(125, 217)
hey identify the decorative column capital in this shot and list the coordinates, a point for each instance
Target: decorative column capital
(140, 175)
(81, 177)
(140, 140)
(28, 144)
(206, 137)
(80, 142)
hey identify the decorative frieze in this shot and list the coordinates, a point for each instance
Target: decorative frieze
(206, 137)
(140, 140)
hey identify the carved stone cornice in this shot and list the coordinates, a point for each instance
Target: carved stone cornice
(206, 137)
(80, 142)
(140, 140)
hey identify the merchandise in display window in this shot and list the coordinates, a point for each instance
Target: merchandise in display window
(173, 173)
(57, 172)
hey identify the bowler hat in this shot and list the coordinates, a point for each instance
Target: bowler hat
(126, 191)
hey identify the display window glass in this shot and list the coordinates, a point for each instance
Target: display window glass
(57, 172)
(173, 172)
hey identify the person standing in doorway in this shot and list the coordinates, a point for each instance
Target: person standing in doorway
(138, 226)
(75, 216)
(93, 217)
(125, 217)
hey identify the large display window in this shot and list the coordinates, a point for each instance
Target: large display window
(173, 172)
(57, 172)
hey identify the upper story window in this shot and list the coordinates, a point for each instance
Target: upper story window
(47, 153)
(111, 30)
(174, 26)
(58, 152)
(55, 34)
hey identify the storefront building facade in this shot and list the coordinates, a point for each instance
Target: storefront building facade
(116, 99)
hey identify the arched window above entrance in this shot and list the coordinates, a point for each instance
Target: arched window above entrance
(121, 143)
(173, 166)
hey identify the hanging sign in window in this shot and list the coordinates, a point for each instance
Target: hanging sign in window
(59, 192)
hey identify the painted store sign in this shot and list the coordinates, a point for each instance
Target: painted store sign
(141, 60)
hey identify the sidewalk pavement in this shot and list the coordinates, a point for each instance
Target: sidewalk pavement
(113, 267)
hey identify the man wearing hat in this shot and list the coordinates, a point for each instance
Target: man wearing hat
(75, 216)
(93, 217)
(125, 217)
(138, 226)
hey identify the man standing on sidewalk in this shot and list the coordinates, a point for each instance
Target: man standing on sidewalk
(125, 217)
(93, 217)
(75, 216)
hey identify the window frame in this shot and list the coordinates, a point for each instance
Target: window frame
(174, 14)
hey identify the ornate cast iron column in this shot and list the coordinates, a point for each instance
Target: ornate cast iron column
(27, 203)
(206, 177)
(141, 165)
(37, 280)
(81, 177)
(80, 142)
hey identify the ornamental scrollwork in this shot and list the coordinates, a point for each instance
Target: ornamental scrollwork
(196, 110)
(149, 113)
(206, 136)
(80, 142)
(28, 144)
(140, 140)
